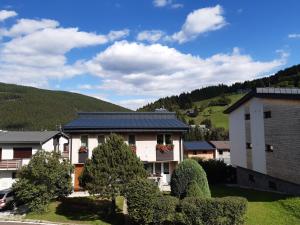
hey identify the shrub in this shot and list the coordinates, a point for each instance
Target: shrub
(45, 177)
(189, 171)
(165, 209)
(218, 172)
(141, 197)
(214, 211)
(193, 190)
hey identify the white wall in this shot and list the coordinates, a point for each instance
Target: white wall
(237, 136)
(257, 135)
(6, 180)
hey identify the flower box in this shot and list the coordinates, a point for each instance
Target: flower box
(83, 149)
(164, 148)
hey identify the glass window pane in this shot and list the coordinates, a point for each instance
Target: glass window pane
(131, 140)
(166, 168)
(158, 168)
(168, 138)
(101, 139)
(84, 141)
(160, 139)
(149, 167)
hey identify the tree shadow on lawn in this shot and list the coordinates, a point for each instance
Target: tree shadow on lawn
(250, 194)
(88, 209)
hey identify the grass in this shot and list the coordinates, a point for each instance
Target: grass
(214, 113)
(81, 210)
(264, 208)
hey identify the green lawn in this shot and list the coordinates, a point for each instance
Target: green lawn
(265, 208)
(81, 210)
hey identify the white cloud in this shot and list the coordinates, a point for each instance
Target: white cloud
(5, 14)
(161, 3)
(294, 35)
(150, 35)
(158, 70)
(36, 51)
(177, 6)
(134, 103)
(200, 21)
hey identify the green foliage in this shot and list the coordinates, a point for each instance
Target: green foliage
(193, 190)
(221, 101)
(186, 172)
(214, 211)
(218, 172)
(292, 205)
(110, 169)
(142, 197)
(191, 122)
(45, 177)
(27, 108)
(207, 123)
(165, 209)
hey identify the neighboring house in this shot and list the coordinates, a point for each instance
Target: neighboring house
(199, 149)
(222, 150)
(265, 139)
(156, 138)
(17, 147)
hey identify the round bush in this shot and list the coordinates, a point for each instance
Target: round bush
(187, 172)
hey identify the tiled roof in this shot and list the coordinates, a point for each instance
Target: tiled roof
(267, 92)
(197, 146)
(221, 144)
(26, 136)
(123, 121)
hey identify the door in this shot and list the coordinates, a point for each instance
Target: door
(78, 171)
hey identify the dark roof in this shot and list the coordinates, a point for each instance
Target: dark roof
(23, 137)
(221, 144)
(197, 146)
(125, 122)
(276, 93)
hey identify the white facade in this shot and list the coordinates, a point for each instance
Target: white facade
(7, 174)
(237, 135)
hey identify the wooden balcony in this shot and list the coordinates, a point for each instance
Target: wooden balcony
(164, 155)
(10, 164)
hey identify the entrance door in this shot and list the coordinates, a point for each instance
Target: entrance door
(78, 171)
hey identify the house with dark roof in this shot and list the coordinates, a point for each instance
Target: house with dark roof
(199, 149)
(155, 137)
(17, 147)
(264, 130)
(222, 150)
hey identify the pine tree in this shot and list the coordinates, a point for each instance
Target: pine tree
(110, 169)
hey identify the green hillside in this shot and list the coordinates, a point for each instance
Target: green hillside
(214, 113)
(28, 108)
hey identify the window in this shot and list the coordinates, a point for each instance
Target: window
(251, 178)
(168, 139)
(248, 145)
(131, 140)
(272, 185)
(220, 152)
(269, 148)
(160, 139)
(101, 139)
(66, 147)
(157, 168)
(149, 167)
(194, 153)
(166, 168)
(267, 114)
(22, 153)
(204, 152)
(84, 140)
(247, 116)
(14, 175)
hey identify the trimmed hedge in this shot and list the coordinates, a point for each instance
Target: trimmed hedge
(189, 171)
(214, 211)
(141, 197)
(165, 209)
(218, 172)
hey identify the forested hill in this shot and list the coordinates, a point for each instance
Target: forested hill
(28, 108)
(289, 77)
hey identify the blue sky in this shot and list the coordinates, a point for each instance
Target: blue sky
(134, 52)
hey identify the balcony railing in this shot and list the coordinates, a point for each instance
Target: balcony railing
(10, 164)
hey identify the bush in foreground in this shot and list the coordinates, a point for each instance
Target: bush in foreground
(214, 211)
(45, 177)
(187, 173)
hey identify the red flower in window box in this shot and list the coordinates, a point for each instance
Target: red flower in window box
(133, 148)
(164, 148)
(83, 149)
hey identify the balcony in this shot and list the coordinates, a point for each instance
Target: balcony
(10, 164)
(164, 152)
(65, 154)
(83, 154)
